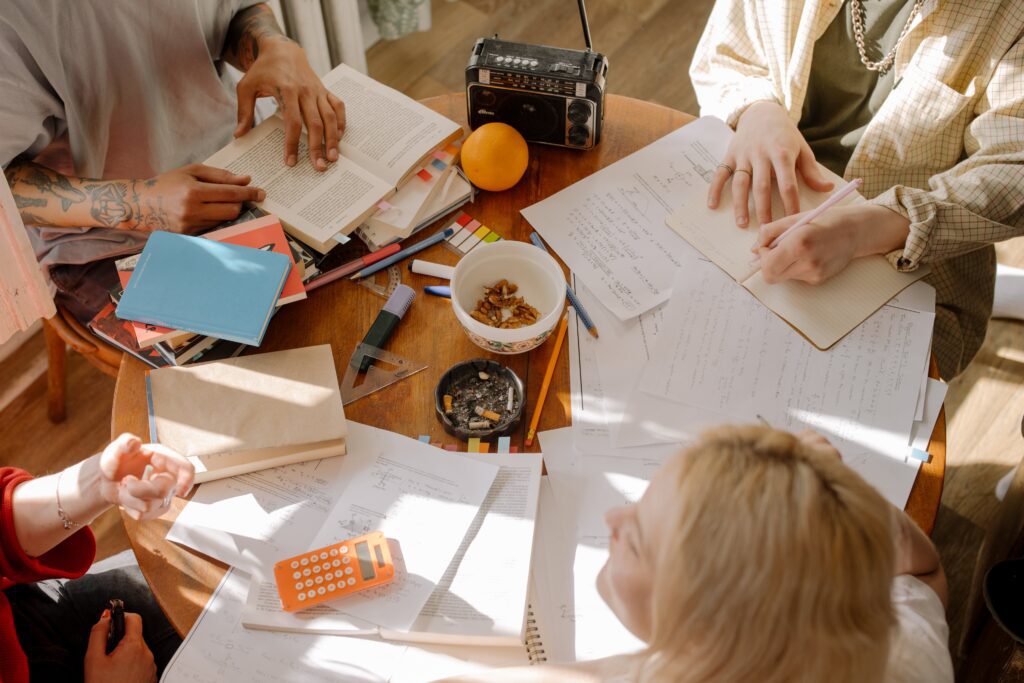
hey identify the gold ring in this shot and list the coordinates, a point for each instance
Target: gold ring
(745, 170)
(727, 167)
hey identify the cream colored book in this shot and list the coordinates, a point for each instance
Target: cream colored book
(388, 137)
(823, 313)
(239, 415)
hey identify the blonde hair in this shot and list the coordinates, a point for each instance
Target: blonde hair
(777, 567)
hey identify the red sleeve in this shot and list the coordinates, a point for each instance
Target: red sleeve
(68, 560)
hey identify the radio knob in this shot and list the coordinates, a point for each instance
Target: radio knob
(578, 135)
(579, 112)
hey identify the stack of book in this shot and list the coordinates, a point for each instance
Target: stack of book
(185, 298)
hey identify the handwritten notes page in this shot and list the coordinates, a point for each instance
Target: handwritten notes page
(219, 648)
(610, 227)
(424, 502)
(721, 351)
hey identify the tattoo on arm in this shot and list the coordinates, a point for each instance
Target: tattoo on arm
(118, 203)
(249, 28)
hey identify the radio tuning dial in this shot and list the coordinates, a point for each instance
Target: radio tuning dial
(579, 112)
(578, 135)
(485, 97)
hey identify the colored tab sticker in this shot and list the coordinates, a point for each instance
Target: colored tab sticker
(493, 237)
(442, 155)
(438, 164)
(451, 447)
(514, 449)
(424, 175)
(473, 445)
(473, 226)
(504, 443)
(918, 454)
(452, 149)
(464, 219)
(484, 447)
(425, 438)
(383, 205)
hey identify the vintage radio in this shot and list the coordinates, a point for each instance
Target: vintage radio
(550, 95)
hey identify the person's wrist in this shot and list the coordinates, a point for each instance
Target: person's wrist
(880, 230)
(277, 44)
(756, 108)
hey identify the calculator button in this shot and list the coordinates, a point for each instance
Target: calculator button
(296, 575)
(303, 562)
(334, 552)
(316, 569)
(321, 590)
(301, 596)
(341, 584)
(351, 581)
(309, 583)
(328, 576)
(335, 563)
(323, 555)
(318, 580)
(295, 564)
(348, 570)
(305, 572)
(343, 549)
(310, 594)
(331, 588)
(298, 585)
(346, 559)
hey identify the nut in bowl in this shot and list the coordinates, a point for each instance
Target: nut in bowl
(533, 280)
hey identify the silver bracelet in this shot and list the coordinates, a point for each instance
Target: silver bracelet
(67, 521)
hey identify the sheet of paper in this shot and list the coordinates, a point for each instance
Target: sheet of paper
(922, 430)
(610, 227)
(552, 587)
(724, 352)
(424, 502)
(254, 520)
(483, 591)
(219, 649)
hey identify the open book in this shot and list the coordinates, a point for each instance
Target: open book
(388, 138)
(481, 599)
(823, 313)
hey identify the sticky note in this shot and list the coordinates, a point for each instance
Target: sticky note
(438, 164)
(424, 175)
(918, 454)
(484, 447)
(492, 237)
(424, 438)
(474, 227)
(464, 219)
(452, 149)
(504, 443)
(473, 445)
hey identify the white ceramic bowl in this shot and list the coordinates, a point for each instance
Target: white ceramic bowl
(541, 284)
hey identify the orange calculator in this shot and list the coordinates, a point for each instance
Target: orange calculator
(333, 571)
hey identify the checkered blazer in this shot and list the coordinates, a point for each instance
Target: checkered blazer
(946, 149)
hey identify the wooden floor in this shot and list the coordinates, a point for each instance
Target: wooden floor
(649, 45)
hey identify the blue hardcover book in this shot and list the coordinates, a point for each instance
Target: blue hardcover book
(206, 287)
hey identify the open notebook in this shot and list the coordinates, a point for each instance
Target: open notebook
(823, 313)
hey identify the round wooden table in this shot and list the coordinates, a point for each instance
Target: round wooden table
(340, 313)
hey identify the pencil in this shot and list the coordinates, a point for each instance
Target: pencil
(352, 266)
(562, 326)
(405, 253)
(580, 311)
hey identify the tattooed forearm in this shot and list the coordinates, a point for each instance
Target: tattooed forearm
(249, 29)
(60, 201)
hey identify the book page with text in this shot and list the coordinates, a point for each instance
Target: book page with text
(386, 132)
(316, 205)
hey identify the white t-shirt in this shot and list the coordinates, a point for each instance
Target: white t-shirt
(112, 89)
(919, 651)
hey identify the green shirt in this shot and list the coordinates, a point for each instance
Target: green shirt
(842, 95)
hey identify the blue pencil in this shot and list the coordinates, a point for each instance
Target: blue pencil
(580, 311)
(408, 251)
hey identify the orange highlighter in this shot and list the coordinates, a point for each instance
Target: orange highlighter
(334, 571)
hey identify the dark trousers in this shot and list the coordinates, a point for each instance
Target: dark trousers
(53, 619)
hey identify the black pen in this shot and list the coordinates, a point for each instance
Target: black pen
(115, 632)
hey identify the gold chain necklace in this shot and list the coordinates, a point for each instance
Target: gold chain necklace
(857, 14)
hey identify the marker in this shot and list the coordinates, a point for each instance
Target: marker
(432, 269)
(353, 266)
(405, 253)
(439, 290)
(387, 320)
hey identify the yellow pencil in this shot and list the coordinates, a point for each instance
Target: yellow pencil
(547, 379)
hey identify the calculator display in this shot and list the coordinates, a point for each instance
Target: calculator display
(365, 561)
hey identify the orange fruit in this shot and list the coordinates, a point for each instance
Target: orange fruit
(494, 156)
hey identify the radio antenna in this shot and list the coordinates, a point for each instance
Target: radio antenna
(586, 25)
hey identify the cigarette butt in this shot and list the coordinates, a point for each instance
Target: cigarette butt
(447, 403)
(491, 415)
(508, 408)
(479, 424)
(483, 376)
